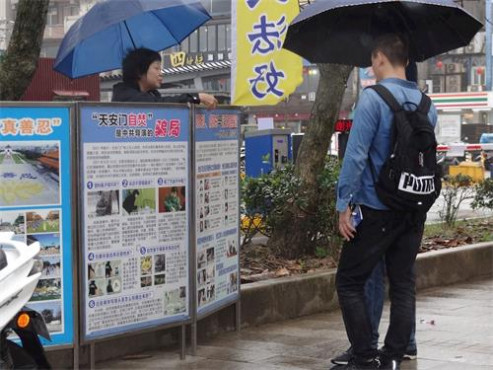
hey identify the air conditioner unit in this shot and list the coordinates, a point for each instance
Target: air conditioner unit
(470, 49)
(454, 68)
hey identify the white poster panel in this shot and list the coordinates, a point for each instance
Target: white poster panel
(217, 208)
(134, 181)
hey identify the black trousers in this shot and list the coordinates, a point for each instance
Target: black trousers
(397, 236)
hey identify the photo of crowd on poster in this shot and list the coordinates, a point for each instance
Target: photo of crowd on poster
(29, 173)
(47, 289)
(51, 266)
(13, 221)
(49, 243)
(103, 203)
(43, 221)
(139, 201)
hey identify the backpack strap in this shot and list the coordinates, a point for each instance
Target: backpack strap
(387, 97)
(425, 104)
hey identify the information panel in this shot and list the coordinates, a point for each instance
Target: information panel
(217, 208)
(134, 184)
(35, 203)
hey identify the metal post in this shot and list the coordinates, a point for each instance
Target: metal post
(183, 342)
(489, 65)
(238, 316)
(92, 356)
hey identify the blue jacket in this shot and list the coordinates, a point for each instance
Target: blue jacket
(370, 133)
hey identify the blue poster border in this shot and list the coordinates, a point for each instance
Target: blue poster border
(62, 133)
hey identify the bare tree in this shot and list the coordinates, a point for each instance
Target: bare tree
(18, 65)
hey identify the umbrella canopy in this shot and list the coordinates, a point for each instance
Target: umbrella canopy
(100, 39)
(343, 31)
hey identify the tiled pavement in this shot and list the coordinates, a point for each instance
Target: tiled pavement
(460, 339)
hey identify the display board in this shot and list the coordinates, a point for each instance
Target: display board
(216, 157)
(134, 164)
(35, 203)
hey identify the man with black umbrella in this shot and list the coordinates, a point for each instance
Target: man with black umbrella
(382, 232)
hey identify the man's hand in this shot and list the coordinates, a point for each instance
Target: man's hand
(346, 227)
(208, 100)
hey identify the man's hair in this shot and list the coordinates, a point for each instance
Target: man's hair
(137, 62)
(394, 47)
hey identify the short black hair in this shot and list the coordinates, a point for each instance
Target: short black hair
(394, 47)
(137, 62)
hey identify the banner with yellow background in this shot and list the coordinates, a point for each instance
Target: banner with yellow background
(262, 72)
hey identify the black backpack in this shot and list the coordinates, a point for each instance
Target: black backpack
(410, 179)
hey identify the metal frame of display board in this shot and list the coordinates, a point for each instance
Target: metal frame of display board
(235, 300)
(182, 323)
(73, 218)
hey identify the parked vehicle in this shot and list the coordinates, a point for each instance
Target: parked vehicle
(18, 280)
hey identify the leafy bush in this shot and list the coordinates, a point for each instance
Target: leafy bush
(484, 195)
(455, 190)
(270, 200)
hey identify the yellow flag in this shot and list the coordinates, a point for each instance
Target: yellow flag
(262, 72)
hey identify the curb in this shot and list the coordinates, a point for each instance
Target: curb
(291, 297)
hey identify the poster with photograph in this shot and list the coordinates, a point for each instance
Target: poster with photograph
(217, 136)
(135, 217)
(35, 204)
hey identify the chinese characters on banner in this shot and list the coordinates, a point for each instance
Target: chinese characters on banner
(35, 204)
(217, 207)
(134, 183)
(262, 72)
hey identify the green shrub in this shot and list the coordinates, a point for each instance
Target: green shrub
(484, 195)
(276, 197)
(455, 190)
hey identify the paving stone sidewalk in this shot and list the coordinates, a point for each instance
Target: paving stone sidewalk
(454, 332)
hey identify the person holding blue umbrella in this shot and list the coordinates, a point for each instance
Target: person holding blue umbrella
(142, 76)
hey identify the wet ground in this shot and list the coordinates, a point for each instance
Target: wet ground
(460, 338)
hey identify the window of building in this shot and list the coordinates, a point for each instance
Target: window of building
(203, 39)
(52, 16)
(221, 37)
(185, 45)
(228, 37)
(194, 47)
(211, 38)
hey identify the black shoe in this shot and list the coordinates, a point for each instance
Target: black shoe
(376, 363)
(343, 358)
(410, 355)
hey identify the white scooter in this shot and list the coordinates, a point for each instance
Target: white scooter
(18, 279)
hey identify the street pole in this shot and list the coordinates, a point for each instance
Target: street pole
(488, 45)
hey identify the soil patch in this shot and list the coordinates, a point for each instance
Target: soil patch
(258, 263)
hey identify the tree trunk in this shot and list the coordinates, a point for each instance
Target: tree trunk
(18, 65)
(291, 240)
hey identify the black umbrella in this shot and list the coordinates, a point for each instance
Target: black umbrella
(343, 31)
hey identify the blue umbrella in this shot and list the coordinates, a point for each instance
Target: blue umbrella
(343, 31)
(99, 40)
